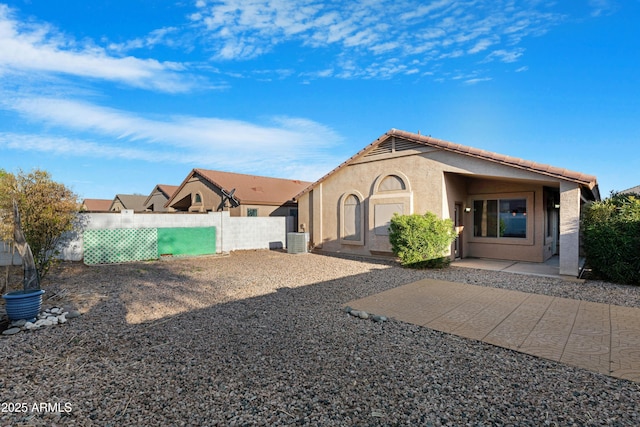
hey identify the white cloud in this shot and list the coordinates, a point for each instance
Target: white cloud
(481, 45)
(505, 55)
(368, 32)
(371, 32)
(423, 10)
(200, 141)
(602, 7)
(477, 80)
(155, 37)
(39, 48)
(64, 146)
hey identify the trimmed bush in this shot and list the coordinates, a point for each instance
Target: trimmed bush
(421, 241)
(611, 236)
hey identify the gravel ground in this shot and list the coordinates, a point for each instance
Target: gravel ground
(260, 338)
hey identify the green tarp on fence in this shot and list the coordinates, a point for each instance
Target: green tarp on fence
(141, 244)
(187, 241)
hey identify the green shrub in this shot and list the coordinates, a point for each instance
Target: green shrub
(421, 241)
(611, 237)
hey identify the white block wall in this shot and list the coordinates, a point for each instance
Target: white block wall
(7, 256)
(129, 219)
(232, 233)
(254, 233)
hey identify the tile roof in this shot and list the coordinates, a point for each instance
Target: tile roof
(632, 190)
(131, 201)
(251, 189)
(168, 190)
(96, 205)
(588, 181)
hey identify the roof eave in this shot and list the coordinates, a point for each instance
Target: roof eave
(579, 178)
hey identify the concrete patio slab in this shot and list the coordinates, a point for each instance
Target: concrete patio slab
(549, 268)
(600, 337)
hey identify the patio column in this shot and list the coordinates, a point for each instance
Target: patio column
(569, 228)
(316, 216)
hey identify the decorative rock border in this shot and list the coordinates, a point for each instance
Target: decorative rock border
(364, 315)
(48, 317)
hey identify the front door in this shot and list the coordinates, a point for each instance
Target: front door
(555, 231)
(457, 222)
(553, 220)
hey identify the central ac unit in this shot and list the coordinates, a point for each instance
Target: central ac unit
(297, 243)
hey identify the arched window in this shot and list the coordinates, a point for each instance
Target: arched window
(351, 219)
(352, 211)
(198, 198)
(392, 183)
(391, 194)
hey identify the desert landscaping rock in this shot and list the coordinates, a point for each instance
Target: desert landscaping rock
(377, 318)
(72, 314)
(257, 338)
(30, 325)
(18, 323)
(11, 331)
(48, 317)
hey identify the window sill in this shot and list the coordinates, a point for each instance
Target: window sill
(502, 241)
(352, 242)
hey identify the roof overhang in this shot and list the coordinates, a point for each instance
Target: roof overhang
(588, 182)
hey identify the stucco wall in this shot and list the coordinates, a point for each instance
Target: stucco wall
(263, 210)
(421, 175)
(436, 181)
(529, 249)
(211, 196)
(117, 206)
(158, 200)
(569, 229)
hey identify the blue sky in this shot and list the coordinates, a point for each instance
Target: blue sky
(114, 97)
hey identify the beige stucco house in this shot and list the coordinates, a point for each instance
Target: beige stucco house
(158, 197)
(504, 207)
(134, 202)
(242, 195)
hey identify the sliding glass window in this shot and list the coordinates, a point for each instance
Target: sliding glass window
(500, 218)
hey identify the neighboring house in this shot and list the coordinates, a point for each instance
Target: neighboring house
(505, 207)
(242, 195)
(632, 190)
(159, 197)
(134, 202)
(96, 205)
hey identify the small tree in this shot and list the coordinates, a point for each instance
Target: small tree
(46, 213)
(421, 241)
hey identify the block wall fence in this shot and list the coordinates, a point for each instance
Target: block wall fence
(232, 233)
